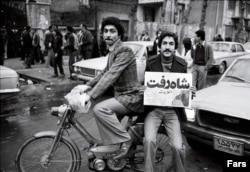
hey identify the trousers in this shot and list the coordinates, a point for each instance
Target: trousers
(107, 114)
(172, 126)
(199, 76)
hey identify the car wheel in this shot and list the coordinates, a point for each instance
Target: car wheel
(222, 68)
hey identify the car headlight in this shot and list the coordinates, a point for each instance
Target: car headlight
(77, 69)
(190, 114)
(97, 72)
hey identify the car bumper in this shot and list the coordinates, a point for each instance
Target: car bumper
(82, 77)
(5, 93)
(216, 66)
(206, 136)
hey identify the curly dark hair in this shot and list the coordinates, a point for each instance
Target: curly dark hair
(201, 34)
(115, 22)
(170, 34)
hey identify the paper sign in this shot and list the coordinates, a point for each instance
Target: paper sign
(167, 89)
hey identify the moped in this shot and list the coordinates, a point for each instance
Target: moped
(56, 152)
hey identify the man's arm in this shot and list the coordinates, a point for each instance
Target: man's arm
(210, 55)
(123, 58)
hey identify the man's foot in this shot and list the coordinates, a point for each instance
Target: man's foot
(62, 75)
(123, 150)
(28, 67)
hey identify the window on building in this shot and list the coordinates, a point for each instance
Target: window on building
(149, 14)
(248, 8)
(231, 5)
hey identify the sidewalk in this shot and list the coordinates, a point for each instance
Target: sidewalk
(39, 71)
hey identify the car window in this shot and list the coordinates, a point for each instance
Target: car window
(137, 49)
(233, 49)
(220, 47)
(239, 48)
(239, 72)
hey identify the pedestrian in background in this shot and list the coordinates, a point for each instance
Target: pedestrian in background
(27, 46)
(38, 57)
(58, 62)
(202, 55)
(2, 50)
(186, 53)
(85, 42)
(72, 49)
(146, 37)
(4, 36)
(49, 45)
(155, 45)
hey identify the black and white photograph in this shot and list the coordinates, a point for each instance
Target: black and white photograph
(125, 85)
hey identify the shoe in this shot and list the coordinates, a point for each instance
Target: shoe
(28, 67)
(123, 150)
(62, 75)
(54, 76)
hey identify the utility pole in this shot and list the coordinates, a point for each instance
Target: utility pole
(241, 32)
(203, 15)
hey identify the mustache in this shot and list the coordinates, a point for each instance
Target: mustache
(167, 50)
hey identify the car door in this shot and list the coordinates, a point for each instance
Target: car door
(141, 63)
(240, 50)
(233, 54)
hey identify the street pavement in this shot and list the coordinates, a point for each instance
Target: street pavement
(39, 71)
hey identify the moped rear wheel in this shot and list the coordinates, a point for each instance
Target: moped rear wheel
(33, 156)
(163, 158)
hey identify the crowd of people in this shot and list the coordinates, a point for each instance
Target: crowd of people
(79, 45)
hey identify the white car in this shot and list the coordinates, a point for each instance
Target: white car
(87, 69)
(225, 53)
(9, 82)
(247, 46)
(220, 117)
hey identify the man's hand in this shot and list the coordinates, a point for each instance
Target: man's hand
(193, 90)
(87, 99)
(81, 88)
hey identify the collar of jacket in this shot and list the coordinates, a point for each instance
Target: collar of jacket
(156, 64)
(115, 45)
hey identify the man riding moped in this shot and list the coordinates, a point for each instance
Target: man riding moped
(121, 74)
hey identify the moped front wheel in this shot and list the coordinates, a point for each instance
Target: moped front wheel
(33, 155)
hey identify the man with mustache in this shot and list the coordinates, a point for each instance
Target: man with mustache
(166, 61)
(121, 74)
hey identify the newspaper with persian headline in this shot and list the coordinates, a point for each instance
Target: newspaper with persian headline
(168, 89)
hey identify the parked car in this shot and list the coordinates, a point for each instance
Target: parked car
(220, 114)
(9, 82)
(247, 46)
(88, 69)
(225, 53)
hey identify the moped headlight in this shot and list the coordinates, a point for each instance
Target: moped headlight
(190, 114)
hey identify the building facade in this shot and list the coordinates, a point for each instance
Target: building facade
(226, 17)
